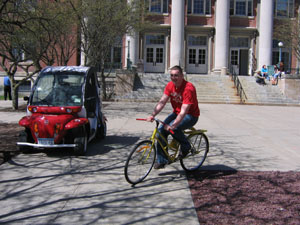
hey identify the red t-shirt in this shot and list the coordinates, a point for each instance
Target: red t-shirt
(185, 94)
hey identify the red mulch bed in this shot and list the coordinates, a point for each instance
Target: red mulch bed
(236, 197)
(9, 134)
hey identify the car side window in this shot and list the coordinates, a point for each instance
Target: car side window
(90, 94)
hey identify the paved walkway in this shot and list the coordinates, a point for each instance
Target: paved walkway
(61, 189)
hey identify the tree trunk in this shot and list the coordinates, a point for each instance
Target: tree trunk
(15, 95)
(103, 85)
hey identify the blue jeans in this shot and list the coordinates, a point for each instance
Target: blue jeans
(276, 75)
(187, 122)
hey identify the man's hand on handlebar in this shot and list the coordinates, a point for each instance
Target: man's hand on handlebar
(150, 119)
(167, 127)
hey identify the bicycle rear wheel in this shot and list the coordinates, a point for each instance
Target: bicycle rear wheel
(197, 156)
(140, 162)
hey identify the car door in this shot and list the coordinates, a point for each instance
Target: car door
(91, 102)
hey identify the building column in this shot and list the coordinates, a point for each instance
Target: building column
(133, 48)
(265, 45)
(177, 33)
(132, 42)
(222, 37)
(167, 38)
(252, 54)
(210, 51)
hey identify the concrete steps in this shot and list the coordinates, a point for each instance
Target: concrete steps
(214, 89)
(210, 88)
(264, 94)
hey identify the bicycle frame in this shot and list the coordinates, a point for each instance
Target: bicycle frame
(171, 157)
(154, 139)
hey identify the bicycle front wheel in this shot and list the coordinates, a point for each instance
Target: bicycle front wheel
(199, 150)
(140, 162)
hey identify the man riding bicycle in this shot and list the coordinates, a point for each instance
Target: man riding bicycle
(185, 113)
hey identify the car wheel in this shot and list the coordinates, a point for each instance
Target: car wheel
(81, 142)
(23, 137)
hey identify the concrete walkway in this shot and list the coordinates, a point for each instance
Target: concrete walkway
(57, 188)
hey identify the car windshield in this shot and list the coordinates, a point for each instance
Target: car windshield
(57, 89)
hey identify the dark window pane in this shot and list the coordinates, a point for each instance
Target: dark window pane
(198, 7)
(189, 9)
(165, 6)
(155, 6)
(192, 56)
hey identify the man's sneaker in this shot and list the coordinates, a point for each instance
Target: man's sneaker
(158, 166)
(182, 155)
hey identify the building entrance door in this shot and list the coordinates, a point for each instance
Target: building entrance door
(234, 61)
(244, 60)
(239, 61)
(154, 54)
(196, 60)
(239, 55)
(196, 57)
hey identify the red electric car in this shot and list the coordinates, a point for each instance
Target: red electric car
(64, 110)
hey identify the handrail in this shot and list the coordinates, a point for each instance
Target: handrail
(238, 85)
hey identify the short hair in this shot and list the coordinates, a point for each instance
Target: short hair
(177, 68)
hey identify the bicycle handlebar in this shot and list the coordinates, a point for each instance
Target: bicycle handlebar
(159, 121)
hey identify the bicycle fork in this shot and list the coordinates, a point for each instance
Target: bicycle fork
(147, 149)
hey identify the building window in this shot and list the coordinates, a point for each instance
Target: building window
(234, 57)
(239, 42)
(149, 55)
(285, 56)
(25, 86)
(200, 7)
(113, 59)
(155, 40)
(202, 56)
(18, 54)
(284, 8)
(241, 7)
(157, 6)
(192, 56)
(197, 40)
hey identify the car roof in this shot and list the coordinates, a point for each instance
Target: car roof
(54, 69)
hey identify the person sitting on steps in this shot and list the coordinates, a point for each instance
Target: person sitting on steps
(259, 78)
(277, 73)
(264, 72)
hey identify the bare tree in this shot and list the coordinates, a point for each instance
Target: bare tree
(34, 35)
(288, 31)
(102, 24)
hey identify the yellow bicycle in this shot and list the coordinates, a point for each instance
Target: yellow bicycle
(141, 159)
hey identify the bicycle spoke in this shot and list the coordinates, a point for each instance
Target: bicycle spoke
(140, 162)
(196, 157)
